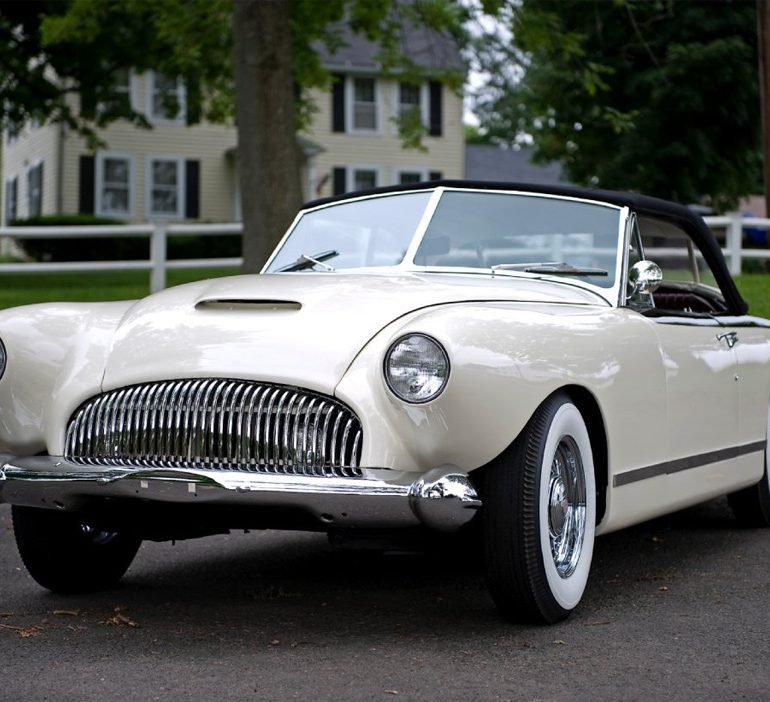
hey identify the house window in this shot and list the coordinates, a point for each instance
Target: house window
(35, 191)
(407, 177)
(122, 85)
(11, 199)
(167, 98)
(12, 132)
(114, 185)
(363, 178)
(410, 100)
(165, 183)
(364, 104)
(121, 101)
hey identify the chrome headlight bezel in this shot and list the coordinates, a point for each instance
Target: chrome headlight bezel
(442, 378)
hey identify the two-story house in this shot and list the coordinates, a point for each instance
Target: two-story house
(178, 172)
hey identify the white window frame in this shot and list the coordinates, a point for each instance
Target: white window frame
(180, 187)
(350, 175)
(99, 207)
(12, 133)
(424, 99)
(14, 181)
(36, 164)
(181, 96)
(349, 105)
(129, 91)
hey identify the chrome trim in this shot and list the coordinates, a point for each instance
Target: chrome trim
(443, 498)
(686, 463)
(213, 424)
(730, 338)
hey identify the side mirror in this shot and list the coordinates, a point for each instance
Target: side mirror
(644, 278)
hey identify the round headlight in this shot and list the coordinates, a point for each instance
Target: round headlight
(416, 368)
(3, 358)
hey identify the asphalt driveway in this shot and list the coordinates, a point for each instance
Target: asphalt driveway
(678, 608)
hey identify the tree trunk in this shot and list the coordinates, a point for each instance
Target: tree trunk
(763, 30)
(268, 155)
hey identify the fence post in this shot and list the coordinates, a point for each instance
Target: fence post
(158, 257)
(734, 243)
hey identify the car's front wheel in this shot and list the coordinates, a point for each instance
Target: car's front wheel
(539, 516)
(65, 554)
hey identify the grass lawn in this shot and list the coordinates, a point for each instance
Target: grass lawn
(22, 289)
(755, 288)
(26, 288)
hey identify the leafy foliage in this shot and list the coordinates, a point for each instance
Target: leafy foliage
(656, 96)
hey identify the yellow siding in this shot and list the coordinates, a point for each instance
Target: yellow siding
(384, 149)
(210, 144)
(214, 145)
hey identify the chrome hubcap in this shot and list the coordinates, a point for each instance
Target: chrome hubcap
(566, 507)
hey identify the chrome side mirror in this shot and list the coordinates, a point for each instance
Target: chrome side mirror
(644, 278)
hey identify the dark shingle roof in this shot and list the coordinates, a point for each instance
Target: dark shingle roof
(426, 48)
(489, 162)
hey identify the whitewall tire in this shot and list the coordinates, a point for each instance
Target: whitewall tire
(540, 516)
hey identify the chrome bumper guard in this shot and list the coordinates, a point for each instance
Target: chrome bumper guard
(442, 498)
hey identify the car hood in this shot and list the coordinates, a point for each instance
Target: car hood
(299, 329)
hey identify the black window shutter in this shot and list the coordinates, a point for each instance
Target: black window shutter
(436, 117)
(340, 181)
(435, 175)
(192, 179)
(87, 185)
(338, 102)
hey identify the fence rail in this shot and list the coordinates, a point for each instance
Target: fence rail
(733, 226)
(158, 263)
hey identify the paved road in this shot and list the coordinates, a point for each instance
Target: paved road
(678, 608)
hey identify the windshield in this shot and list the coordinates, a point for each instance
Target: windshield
(523, 232)
(535, 234)
(372, 232)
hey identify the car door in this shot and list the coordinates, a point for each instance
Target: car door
(703, 433)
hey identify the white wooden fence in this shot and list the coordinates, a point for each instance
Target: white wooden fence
(728, 227)
(733, 226)
(157, 264)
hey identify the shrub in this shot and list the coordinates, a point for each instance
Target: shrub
(116, 248)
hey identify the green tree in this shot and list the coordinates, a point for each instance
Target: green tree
(656, 96)
(54, 50)
(267, 49)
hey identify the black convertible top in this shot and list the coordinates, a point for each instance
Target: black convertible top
(680, 215)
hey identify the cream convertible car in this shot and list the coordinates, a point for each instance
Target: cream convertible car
(551, 364)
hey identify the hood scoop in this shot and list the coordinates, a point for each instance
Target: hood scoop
(256, 305)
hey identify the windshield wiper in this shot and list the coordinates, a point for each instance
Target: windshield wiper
(550, 268)
(304, 262)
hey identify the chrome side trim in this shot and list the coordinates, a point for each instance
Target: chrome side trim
(686, 463)
(443, 498)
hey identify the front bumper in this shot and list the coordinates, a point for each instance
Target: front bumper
(442, 498)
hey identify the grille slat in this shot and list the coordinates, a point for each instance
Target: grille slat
(217, 424)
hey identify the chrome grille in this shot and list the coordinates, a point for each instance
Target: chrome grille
(217, 424)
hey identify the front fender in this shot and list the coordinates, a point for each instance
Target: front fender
(506, 358)
(56, 359)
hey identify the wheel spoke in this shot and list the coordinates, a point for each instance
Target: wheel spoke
(567, 501)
